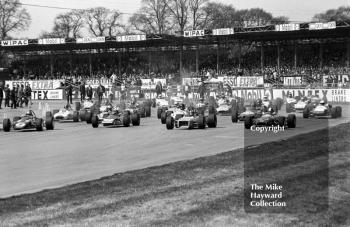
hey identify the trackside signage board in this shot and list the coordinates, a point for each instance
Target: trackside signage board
(151, 84)
(332, 95)
(51, 41)
(35, 84)
(292, 81)
(194, 33)
(233, 81)
(320, 26)
(130, 38)
(100, 39)
(287, 27)
(223, 31)
(21, 42)
(47, 94)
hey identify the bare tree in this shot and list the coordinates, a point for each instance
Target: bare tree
(219, 15)
(179, 9)
(102, 21)
(152, 17)
(68, 25)
(13, 17)
(340, 14)
(197, 12)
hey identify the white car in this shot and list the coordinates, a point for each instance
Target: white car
(66, 114)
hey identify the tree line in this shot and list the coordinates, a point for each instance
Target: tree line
(153, 17)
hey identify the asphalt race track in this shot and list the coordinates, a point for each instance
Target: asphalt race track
(74, 152)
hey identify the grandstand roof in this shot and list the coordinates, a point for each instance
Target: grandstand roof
(258, 35)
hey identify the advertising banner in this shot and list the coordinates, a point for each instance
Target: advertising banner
(319, 26)
(194, 81)
(130, 38)
(21, 42)
(287, 27)
(253, 94)
(332, 95)
(35, 84)
(47, 94)
(194, 33)
(151, 83)
(94, 83)
(223, 31)
(100, 39)
(292, 81)
(51, 41)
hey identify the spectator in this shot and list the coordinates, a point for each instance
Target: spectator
(14, 98)
(28, 94)
(7, 96)
(100, 91)
(69, 93)
(82, 91)
(1, 96)
(159, 89)
(89, 92)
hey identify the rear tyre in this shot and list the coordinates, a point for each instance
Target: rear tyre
(126, 119)
(82, 114)
(201, 122)
(135, 119)
(212, 110)
(291, 121)
(159, 113)
(6, 125)
(334, 113)
(39, 124)
(339, 111)
(48, 114)
(75, 116)
(77, 106)
(248, 122)
(49, 123)
(94, 121)
(170, 123)
(212, 121)
(88, 116)
(234, 115)
(281, 121)
(163, 117)
(306, 112)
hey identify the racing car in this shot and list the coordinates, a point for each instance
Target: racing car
(65, 113)
(270, 119)
(85, 110)
(177, 111)
(322, 110)
(249, 112)
(194, 117)
(28, 121)
(115, 117)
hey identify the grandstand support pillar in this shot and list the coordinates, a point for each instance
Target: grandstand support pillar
(348, 53)
(262, 56)
(197, 58)
(218, 58)
(51, 64)
(180, 59)
(321, 55)
(90, 64)
(119, 63)
(295, 56)
(149, 62)
(278, 57)
(239, 55)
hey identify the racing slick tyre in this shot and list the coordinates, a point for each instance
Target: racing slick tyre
(16, 118)
(212, 110)
(201, 122)
(281, 121)
(163, 117)
(126, 119)
(94, 121)
(39, 124)
(159, 113)
(88, 116)
(170, 123)
(49, 123)
(48, 114)
(334, 113)
(339, 111)
(77, 106)
(291, 121)
(82, 114)
(55, 112)
(135, 119)
(148, 111)
(306, 112)
(234, 115)
(212, 121)
(248, 122)
(75, 116)
(142, 111)
(6, 125)
(154, 104)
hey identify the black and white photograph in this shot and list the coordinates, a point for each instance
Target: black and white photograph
(207, 113)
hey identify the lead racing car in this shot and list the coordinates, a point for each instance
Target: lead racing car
(28, 121)
(66, 114)
(322, 110)
(116, 117)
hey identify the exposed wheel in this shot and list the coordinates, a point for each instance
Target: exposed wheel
(88, 116)
(234, 115)
(159, 112)
(75, 116)
(135, 119)
(281, 120)
(201, 122)
(77, 106)
(212, 110)
(148, 110)
(248, 122)
(49, 123)
(126, 119)
(212, 121)
(163, 117)
(170, 123)
(82, 114)
(291, 121)
(94, 121)
(334, 113)
(39, 124)
(339, 111)
(6, 125)
(16, 118)
(306, 112)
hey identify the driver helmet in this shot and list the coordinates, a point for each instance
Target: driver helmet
(265, 98)
(28, 113)
(322, 102)
(290, 96)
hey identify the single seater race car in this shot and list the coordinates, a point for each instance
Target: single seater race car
(177, 111)
(115, 117)
(194, 117)
(270, 119)
(322, 110)
(28, 121)
(249, 112)
(65, 114)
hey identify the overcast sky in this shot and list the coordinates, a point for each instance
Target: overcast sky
(296, 10)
